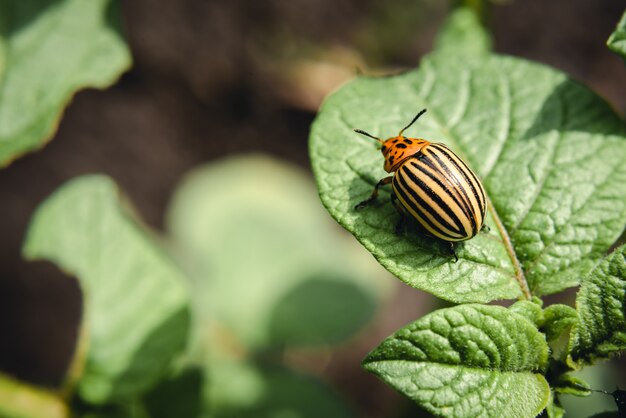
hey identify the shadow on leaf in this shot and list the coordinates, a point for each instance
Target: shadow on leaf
(164, 342)
(571, 108)
(321, 310)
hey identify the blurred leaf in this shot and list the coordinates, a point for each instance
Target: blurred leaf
(468, 360)
(133, 410)
(267, 264)
(601, 306)
(281, 393)
(179, 395)
(49, 49)
(136, 305)
(320, 310)
(127, 410)
(463, 35)
(231, 385)
(549, 151)
(617, 40)
(21, 400)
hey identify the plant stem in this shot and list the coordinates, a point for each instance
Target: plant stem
(519, 273)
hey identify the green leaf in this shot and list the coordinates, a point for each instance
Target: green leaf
(266, 263)
(21, 400)
(572, 385)
(554, 408)
(617, 40)
(468, 360)
(601, 306)
(136, 314)
(558, 319)
(549, 151)
(529, 310)
(463, 35)
(48, 51)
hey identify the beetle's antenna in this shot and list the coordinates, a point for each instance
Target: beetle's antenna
(413, 121)
(358, 131)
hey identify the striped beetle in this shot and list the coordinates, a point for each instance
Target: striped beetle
(433, 185)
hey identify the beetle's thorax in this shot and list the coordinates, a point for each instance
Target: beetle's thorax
(397, 149)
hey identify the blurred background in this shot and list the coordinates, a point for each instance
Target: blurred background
(215, 79)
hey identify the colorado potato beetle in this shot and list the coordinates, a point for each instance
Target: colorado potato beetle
(433, 186)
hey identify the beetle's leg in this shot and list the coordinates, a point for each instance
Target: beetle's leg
(374, 195)
(485, 228)
(453, 252)
(401, 225)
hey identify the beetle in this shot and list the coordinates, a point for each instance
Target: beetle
(432, 185)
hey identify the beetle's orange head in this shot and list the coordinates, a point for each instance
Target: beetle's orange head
(398, 148)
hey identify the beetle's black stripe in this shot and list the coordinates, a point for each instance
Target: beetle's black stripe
(427, 223)
(437, 198)
(419, 211)
(467, 173)
(435, 162)
(420, 164)
(462, 182)
(416, 205)
(438, 152)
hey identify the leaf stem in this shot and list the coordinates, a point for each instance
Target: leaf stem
(519, 273)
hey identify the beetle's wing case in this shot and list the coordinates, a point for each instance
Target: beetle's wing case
(438, 189)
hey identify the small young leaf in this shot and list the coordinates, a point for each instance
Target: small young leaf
(554, 408)
(601, 306)
(48, 51)
(468, 360)
(136, 304)
(549, 151)
(572, 385)
(558, 319)
(529, 310)
(617, 40)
